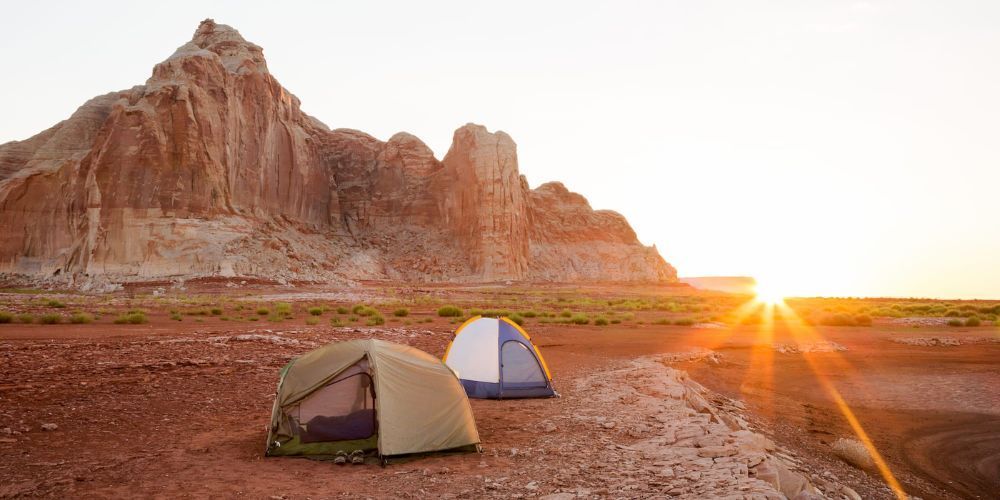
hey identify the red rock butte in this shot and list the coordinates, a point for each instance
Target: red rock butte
(212, 169)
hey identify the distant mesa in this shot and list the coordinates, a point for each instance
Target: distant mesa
(728, 284)
(212, 169)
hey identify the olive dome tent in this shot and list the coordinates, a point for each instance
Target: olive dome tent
(369, 395)
(494, 358)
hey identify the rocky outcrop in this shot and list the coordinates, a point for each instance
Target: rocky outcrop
(212, 168)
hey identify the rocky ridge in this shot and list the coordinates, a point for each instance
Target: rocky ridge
(212, 169)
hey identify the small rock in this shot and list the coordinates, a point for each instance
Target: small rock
(49, 427)
(608, 425)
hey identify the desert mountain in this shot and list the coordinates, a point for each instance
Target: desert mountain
(211, 168)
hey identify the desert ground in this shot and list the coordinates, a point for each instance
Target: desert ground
(165, 390)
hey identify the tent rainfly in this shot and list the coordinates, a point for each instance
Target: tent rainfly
(494, 358)
(369, 395)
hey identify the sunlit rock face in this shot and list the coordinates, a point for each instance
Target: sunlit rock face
(211, 168)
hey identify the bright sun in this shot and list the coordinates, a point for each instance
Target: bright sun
(768, 294)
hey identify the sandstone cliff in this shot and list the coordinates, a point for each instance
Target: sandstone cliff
(211, 168)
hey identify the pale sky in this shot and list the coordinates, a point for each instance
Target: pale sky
(829, 148)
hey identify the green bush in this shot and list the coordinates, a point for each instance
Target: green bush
(566, 313)
(973, 321)
(6, 317)
(955, 322)
(516, 318)
(353, 319)
(529, 314)
(263, 311)
(375, 320)
(55, 303)
(365, 311)
(50, 319)
(335, 321)
(216, 311)
(253, 318)
(176, 316)
(312, 320)
(402, 312)
(601, 321)
(449, 311)
(132, 318)
(580, 319)
(25, 318)
(283, 308)
(315, 311)
(81, 318)
(343, 310)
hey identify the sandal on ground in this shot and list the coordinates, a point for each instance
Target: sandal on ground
(340, 458)
(357, 457)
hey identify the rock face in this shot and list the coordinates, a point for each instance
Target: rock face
(211, 168)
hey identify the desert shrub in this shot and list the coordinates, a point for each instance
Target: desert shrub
(402, 312)
(216, 311)
(375, 320)
(55, 303)
(475, 312)
(616, 321)
(684, 322)
(601, 321)
(628, 316)
(428, 320)
(335, 321)
(133, 318)
(838, 319)
(353, 319)
(6, 317)
(516, 318)
(283, 308)
(343, 310)
(176, 316)
(224, 318)
(863, 320)
(566, 313)
(365, 311)
(953, 313)
(50, 319)
(663, 321)
(529, 314)
(81, 318)
(253, 318)
(315, 311)
(358, 308)
(449, 311)
(263, 311)
(973, 321)
(312, 320)
(955, 322)
(854, 453)
(25, 318)
(580, 319)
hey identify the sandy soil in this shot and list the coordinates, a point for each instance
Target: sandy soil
(172, 409)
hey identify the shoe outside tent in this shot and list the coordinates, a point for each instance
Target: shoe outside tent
(494, 358)
(369, 395)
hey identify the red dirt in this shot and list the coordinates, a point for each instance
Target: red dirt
(156, 410)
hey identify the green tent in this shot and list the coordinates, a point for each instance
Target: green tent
(369, 395)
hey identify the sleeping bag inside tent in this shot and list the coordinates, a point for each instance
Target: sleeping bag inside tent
(494, 358)
(369, 395)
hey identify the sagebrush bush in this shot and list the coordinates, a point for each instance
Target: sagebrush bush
(684, 322)
(375, 320)
(335, 322)
(6, 317)
(580, 319)
(601, 321)
(366, 311)
(26, 318)
(50, 319)
(402, 312)
(216, 311)
(132, 318)
(343, 310)
(81, 318)
(55, 303)
(176, 316)
(283, 308)
(955, 322)
(863, 320)
(315, 311)
(263, 311)
(566, 313)
(529, 314)
(516, 318)
(973, 321)
(449, 311)
(312, 320)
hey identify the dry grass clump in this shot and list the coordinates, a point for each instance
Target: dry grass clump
(315, 311)
(375, 320)
(312, 320)
(132, 318)
(6, 317)
(516, 318)
(343, 310)
(55, 303)
(449, 311)
(854, 453)
(26, 318)
(601, 321)
(50, 319)
(402, 312)
(81, 318)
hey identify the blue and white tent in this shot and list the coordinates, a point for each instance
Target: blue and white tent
(494, 358)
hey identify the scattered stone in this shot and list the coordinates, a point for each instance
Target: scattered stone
(49, 427)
